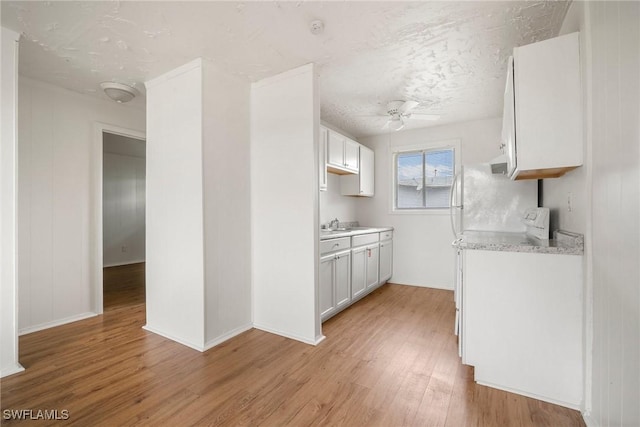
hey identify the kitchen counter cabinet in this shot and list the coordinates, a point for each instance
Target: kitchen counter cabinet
(343, 154)
(322, 159)
(335, 282)
(542, 119)
(386, 257)
(522, 323)
(352, 266)
(362, 184)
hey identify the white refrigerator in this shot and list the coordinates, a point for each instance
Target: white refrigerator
(482, 201)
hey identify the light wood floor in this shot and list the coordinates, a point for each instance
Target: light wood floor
(389, 360)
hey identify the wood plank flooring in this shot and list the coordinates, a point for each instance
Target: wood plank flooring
(389, 360)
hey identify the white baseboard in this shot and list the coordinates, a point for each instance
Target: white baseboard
(275, 331)
(11, 370)
(569, 405)
(119, 264)
(226, 336)
(173, 338)
(589, 420)
(54, 323)
(444, 287)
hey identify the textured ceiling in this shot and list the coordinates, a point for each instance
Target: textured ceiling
(449, 56)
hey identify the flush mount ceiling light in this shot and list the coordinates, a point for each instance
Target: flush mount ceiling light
(119, 92)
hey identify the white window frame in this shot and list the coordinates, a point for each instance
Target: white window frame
(431, 145)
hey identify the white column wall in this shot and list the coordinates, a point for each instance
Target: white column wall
(174, 215)
(9, 199)
(227, 205)
(284, 204)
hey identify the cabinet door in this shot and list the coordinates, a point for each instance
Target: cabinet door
(386, 260)
(372, 261)
(335, 149)
(322, 159)
(366, 171)
(351, 155)
(358, 272)
(508, 122)
(343, 279)
(326, 285)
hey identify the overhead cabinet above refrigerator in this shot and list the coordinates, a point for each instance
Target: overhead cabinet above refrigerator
(542, 121)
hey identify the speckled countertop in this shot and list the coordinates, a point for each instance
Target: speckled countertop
(353, 231)
(564, 243)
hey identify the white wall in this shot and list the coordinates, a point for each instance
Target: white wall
(55, 231)
(123, 207)
(334, 205)
(227, 205)
(198, 206)
(423, 255)
(175, 229)
(284, 204)
(9, 199)
(614, 100)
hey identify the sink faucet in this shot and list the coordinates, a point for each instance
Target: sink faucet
(336, 222)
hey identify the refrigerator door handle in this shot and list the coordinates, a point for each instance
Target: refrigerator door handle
(452, 205)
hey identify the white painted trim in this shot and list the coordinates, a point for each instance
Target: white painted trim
(196, 63)
(575, 406)
(96, 215)
(10, 371)
(227, 336)
(59, 322)
(9, 139)
(173, 338)
(119, 264)
(590, 421)
(287, 335)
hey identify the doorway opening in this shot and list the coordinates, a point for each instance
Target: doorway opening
(123, 221)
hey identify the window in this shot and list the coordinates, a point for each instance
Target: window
(423, 178)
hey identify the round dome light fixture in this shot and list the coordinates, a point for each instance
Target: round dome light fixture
(119, 92)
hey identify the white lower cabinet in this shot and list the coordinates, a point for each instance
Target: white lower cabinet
(358, 272)
(522, 323)
(372, 261)
(335, 282)
(347, 275)
(386, 260)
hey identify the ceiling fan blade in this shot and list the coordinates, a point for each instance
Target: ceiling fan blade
(407, 106)
(419, 116)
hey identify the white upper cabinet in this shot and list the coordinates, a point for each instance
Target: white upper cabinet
(362, 184)
(322, 159)
(542, 122)
(342, 154)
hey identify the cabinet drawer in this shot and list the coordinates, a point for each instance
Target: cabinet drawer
(365, 239)
(333, 245)
(386, 235)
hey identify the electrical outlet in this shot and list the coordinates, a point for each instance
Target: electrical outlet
(569, 202)
(124, 249)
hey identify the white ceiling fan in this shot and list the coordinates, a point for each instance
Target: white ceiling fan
(400, 111)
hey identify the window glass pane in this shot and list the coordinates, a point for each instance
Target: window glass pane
(409, 190)
(439, 171)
